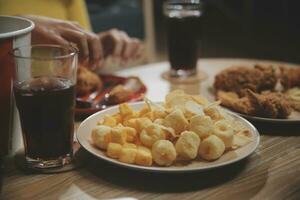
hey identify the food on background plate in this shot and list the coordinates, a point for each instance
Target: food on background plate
(184, 127)
(123, 92)
(237, 79)
(87, 81)
(290, 77)
(293, 96)
(261, 91)
(267, 104)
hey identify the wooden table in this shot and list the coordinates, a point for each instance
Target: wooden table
(272, 172)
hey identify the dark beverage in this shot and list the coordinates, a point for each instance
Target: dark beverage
(46, 107)
(183, 25)
(182, 42)
(6, 71)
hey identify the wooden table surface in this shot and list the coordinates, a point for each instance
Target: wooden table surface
(272, 172)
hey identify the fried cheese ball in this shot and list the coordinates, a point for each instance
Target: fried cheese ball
(130, 134)
(211, 148)
(214, 113)
(192, 108)
(177, 121)
(202, 125)
(142, 123)
(187, 145)
(101, 136)
(126, 111)
(151, 134)
(163, 152)
(114, 150)
(225, 132)
(118, 135)
(128, 155)
(143, 156)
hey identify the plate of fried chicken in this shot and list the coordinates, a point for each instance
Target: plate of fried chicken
(261, 92)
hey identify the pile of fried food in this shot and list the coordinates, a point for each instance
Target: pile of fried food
(184, 127)
(89, 82)
(262, 91)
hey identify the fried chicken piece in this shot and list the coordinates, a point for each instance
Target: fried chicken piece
(123, 92)
(290, 77)
(87, 81)
(268, 104)
(237, 79)
(232, 101)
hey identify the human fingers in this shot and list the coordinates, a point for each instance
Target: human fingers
(112, 42)
(80, 39)
(139, 52)
(128, 46)
(95, 50)
(135, 48)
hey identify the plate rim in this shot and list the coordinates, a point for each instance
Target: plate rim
(262, 119)
(166, 169)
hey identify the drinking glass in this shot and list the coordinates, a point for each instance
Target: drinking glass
(44, 89)
(183, 19)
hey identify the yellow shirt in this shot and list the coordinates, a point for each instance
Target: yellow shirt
(73, 10)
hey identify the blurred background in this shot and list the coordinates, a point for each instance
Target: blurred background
(263, 29)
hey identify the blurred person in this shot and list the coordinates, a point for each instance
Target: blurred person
(66, 23)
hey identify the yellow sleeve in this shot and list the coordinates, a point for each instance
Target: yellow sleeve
(77, 11)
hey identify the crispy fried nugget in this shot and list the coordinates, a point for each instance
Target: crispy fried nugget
(268, 104)
(87, 81)
(290, 77)
(237, 79)
(232, 101)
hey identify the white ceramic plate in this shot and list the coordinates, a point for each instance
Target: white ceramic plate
(85, 128)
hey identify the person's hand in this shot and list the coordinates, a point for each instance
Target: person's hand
(61, 32)
(119, 45)
(93, 48)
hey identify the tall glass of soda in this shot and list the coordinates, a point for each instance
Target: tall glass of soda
(44, 89)
(183, 19)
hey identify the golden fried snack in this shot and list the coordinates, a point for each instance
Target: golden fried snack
(234, 102)
(114, 150)
(185, 129)
(202, 125)
(293, 96)
(87, 81)
(143, 156)
(101, 136)
(187, 145)
(225, 132)
(163, 152)
(270, 104)
(118, 135)
(128, 155)
(151, 134)
(290, 77)
(177, 121)
(122, 93)
(211, 148)
(236, 79)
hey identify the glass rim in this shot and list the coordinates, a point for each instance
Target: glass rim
(74, 51)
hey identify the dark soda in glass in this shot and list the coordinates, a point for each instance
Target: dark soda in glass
(182, 42)
(183, 21)
(46, 107)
